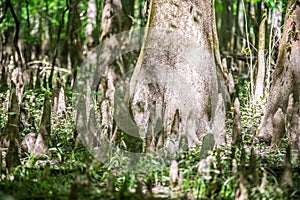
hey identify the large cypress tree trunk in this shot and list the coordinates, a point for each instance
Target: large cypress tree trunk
(283, 100)
(174, 87)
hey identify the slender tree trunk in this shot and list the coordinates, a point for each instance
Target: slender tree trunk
(91, 15)
(275, 22)
(11, 137)
(75, 43)
(260, 78)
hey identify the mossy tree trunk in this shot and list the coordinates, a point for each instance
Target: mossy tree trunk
(283, 100)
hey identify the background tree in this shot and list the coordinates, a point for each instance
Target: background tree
(283, 100)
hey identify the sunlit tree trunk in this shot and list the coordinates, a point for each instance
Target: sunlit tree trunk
(260, 77)
(91, 21)
(275, 23)
(173, 89)
(283, 100)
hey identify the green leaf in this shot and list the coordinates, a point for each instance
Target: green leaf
(11, 113)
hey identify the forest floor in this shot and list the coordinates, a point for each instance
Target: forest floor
(251, 170)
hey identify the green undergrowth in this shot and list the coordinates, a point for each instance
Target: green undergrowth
(70, 171)
(77, 174)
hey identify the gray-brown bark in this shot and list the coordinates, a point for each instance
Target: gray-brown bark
(58, 97)
(260, 77)
(43, 140)
(91, 21)
(11, 132)
(284, 92)
(176, 73)
(74, 45)
(237, 125)
(115, 19)
(111, 24)
(173, 173)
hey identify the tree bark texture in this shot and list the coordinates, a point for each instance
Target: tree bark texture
(260, 78)
(11, 132)
(284, 94)
(110, 66)
(174, 85)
